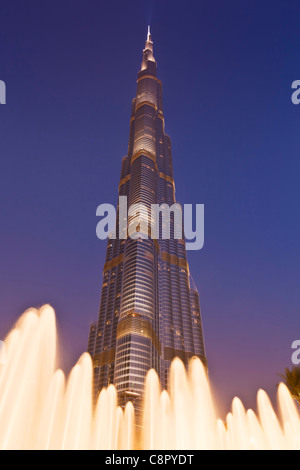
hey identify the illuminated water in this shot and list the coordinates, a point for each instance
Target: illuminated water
(39, 409)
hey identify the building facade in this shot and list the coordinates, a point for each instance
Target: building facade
(149, 313)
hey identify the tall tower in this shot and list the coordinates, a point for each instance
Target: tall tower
(149, 313)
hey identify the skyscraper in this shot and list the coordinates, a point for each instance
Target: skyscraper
(149, 313)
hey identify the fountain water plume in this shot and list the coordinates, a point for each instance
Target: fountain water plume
(40, 409)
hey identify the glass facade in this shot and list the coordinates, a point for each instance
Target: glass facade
(149, 314)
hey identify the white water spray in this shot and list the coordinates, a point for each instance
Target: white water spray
(39, 409)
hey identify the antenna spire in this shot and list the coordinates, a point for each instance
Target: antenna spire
(148, 59)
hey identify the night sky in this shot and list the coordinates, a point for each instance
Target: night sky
(227, 67)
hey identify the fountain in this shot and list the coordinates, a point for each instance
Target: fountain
(40, 409)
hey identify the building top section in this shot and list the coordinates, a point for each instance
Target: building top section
(148, 65)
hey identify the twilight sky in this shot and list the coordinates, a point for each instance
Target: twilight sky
(227, 67)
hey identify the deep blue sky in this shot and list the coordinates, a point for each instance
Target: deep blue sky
(227, 68)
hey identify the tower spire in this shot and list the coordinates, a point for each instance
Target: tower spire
(148, 59)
